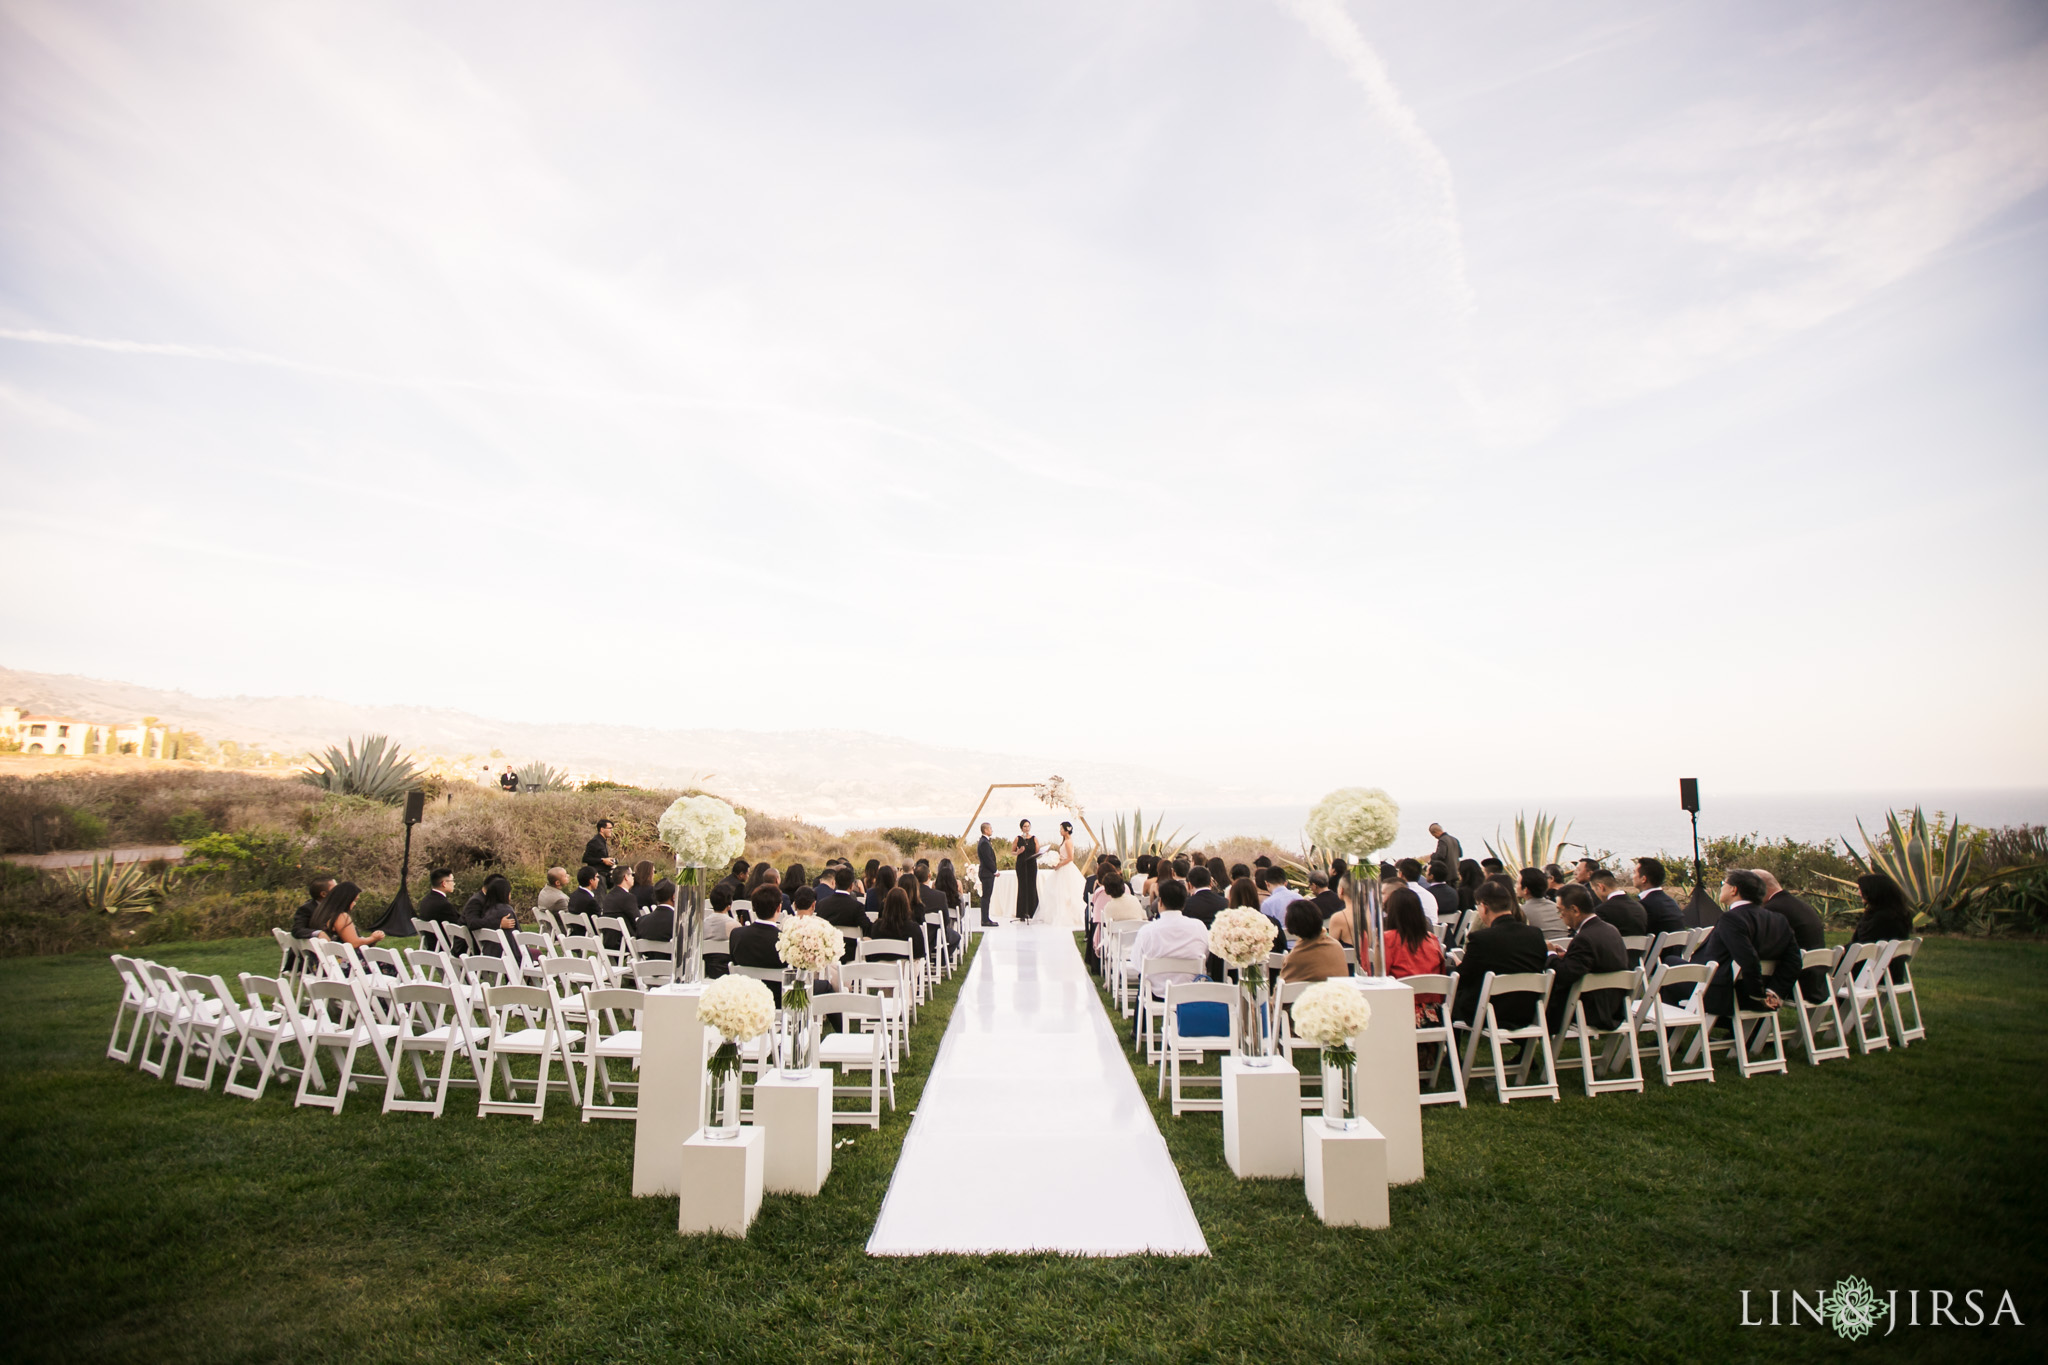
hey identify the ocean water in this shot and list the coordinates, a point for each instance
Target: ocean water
(1620, 826)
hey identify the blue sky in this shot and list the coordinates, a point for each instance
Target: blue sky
(1463, 400)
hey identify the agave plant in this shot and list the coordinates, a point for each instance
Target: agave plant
(539, 777)
(1132, 839)
(1930, 867)
(378, 770)
(112, 888)
(1536, 843)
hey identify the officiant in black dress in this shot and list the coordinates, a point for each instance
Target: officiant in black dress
(1026, 849)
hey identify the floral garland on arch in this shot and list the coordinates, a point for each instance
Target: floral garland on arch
(1055, 794)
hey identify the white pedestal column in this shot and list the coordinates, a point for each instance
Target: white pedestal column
(1344, 1175)
(1389, 1092)
(671, 1099)
(1261, 1119)
(796, 1116)
(721, 1183)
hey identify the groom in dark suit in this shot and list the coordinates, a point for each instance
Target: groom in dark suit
(986, 852)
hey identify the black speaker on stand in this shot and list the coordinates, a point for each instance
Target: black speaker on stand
(1702, 910)
(398, 919)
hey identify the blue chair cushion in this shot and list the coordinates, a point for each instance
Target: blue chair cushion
(1204, 1019)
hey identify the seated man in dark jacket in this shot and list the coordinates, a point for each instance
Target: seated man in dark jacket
(1504, 945)
(1595, 947)
(1746, 936)
(1617, 907)
(302, 921)
(754, 943)
(1807, 931)
(841, 909)
(658, 924)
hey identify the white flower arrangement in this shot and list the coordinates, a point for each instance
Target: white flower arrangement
(739, 1007)
(1330, 1014)
(1241, 937)
(1356, 822)
(1057, 795)
(810, 944)
(703, 831)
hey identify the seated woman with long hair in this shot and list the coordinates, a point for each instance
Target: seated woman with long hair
(895, 922)
(1315, 956)
(948, 883)
(1885, 915)
(335, 919)
(1412, 947)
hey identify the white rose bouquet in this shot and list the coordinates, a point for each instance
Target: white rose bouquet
(703, 831)
(739, 1007)
(1330, 1014)
(810, 944)
(1242, 938)
(1356, 822)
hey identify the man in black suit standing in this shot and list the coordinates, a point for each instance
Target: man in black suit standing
(754, 943)
(985, 851)
(1661, 913)
(1504, 945)
(1807, 931)
(1617, 907)
(1205, 902)
(583, 900)
(839, 908)
(1595, 947)
(598, 852)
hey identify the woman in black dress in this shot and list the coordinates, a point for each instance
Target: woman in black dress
(1026, 849)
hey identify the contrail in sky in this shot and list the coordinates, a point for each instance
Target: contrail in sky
(1334, 28)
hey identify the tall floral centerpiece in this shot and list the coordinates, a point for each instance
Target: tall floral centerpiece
(808, 945)
(1330, 1014)
(1357, 823)
(704, 833)
(740, 1008)
(1243, 938)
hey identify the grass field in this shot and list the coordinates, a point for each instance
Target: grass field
(150, 1223)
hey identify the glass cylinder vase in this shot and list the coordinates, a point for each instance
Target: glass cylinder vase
(692, 886)
(798, 1042)
(722, 1085)
(1255, 1033)
(1340, 1089)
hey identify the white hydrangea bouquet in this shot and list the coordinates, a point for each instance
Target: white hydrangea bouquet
(1056, 794)
(740, 1008)
(1243, 938)
(808, 945)
(1355, 822)
(702, 831)
(1330, 1014)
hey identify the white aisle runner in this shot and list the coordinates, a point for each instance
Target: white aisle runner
(1031, 1096)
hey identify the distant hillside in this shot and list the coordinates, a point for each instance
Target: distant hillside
(815, 774)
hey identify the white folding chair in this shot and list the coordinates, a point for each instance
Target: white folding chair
(1818, 1019)
(1576, 1028)
(1151, 1009)
(432, 939)
(1532, 1036)
(521, 1037)
(214, 1029)
(1859, 996)
(884, 982)
(340, 1018)
(430, 1019)
(614, 958)
(862, 1044)
(568, 980)
(168, 1022)
(614, 1036)
(265, 1031)
(137, 1003)
(1638, 945)
(1897, 990)
(291, 958)
(1284, 996)
(1750, 1028)
(1178, 1048)
(1444, 1036)
(1669, 1021)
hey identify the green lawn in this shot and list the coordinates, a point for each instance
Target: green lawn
(151, 1223)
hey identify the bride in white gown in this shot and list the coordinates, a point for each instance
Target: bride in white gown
(1059, 886)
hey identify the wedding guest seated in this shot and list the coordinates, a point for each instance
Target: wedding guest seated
(1537, 907)
(735, 881)
(583, 900)
(335, 919)
(1470, 874)
(753, 943)
(1807, 931)
(1747, 935)
(1436, 879)
(1237, 872)
(948, 883)
(1490, 866)
(793, 876)
(658, 924)
(1617, 907)
(1204, 900)
(1173, 934)
(1412, 948)
(1410, 873)
(1315, 956)
(1885, 915)
(1595, 947)
(1327, 901)
(895, 923)
(879, 887)
(555, 895)
(1505, 945)
(1661, 912)
(643, 886)
(438, 905)
(1219, 875)
(719, 925)
(619, 904)
(841, 908)
(931, 901)
(489, 910)
(1279, 895)
(1119, 903)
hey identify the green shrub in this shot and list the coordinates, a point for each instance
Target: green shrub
(188, 825)
(253, 858)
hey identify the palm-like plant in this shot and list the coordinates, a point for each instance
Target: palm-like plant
(377, 770)
(112, 888)
(539, 777)
(1536, 843)
(1930, 867)
(1133, 838)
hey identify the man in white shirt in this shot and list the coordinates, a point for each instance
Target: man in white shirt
(1411, 877)
(1173, 934)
